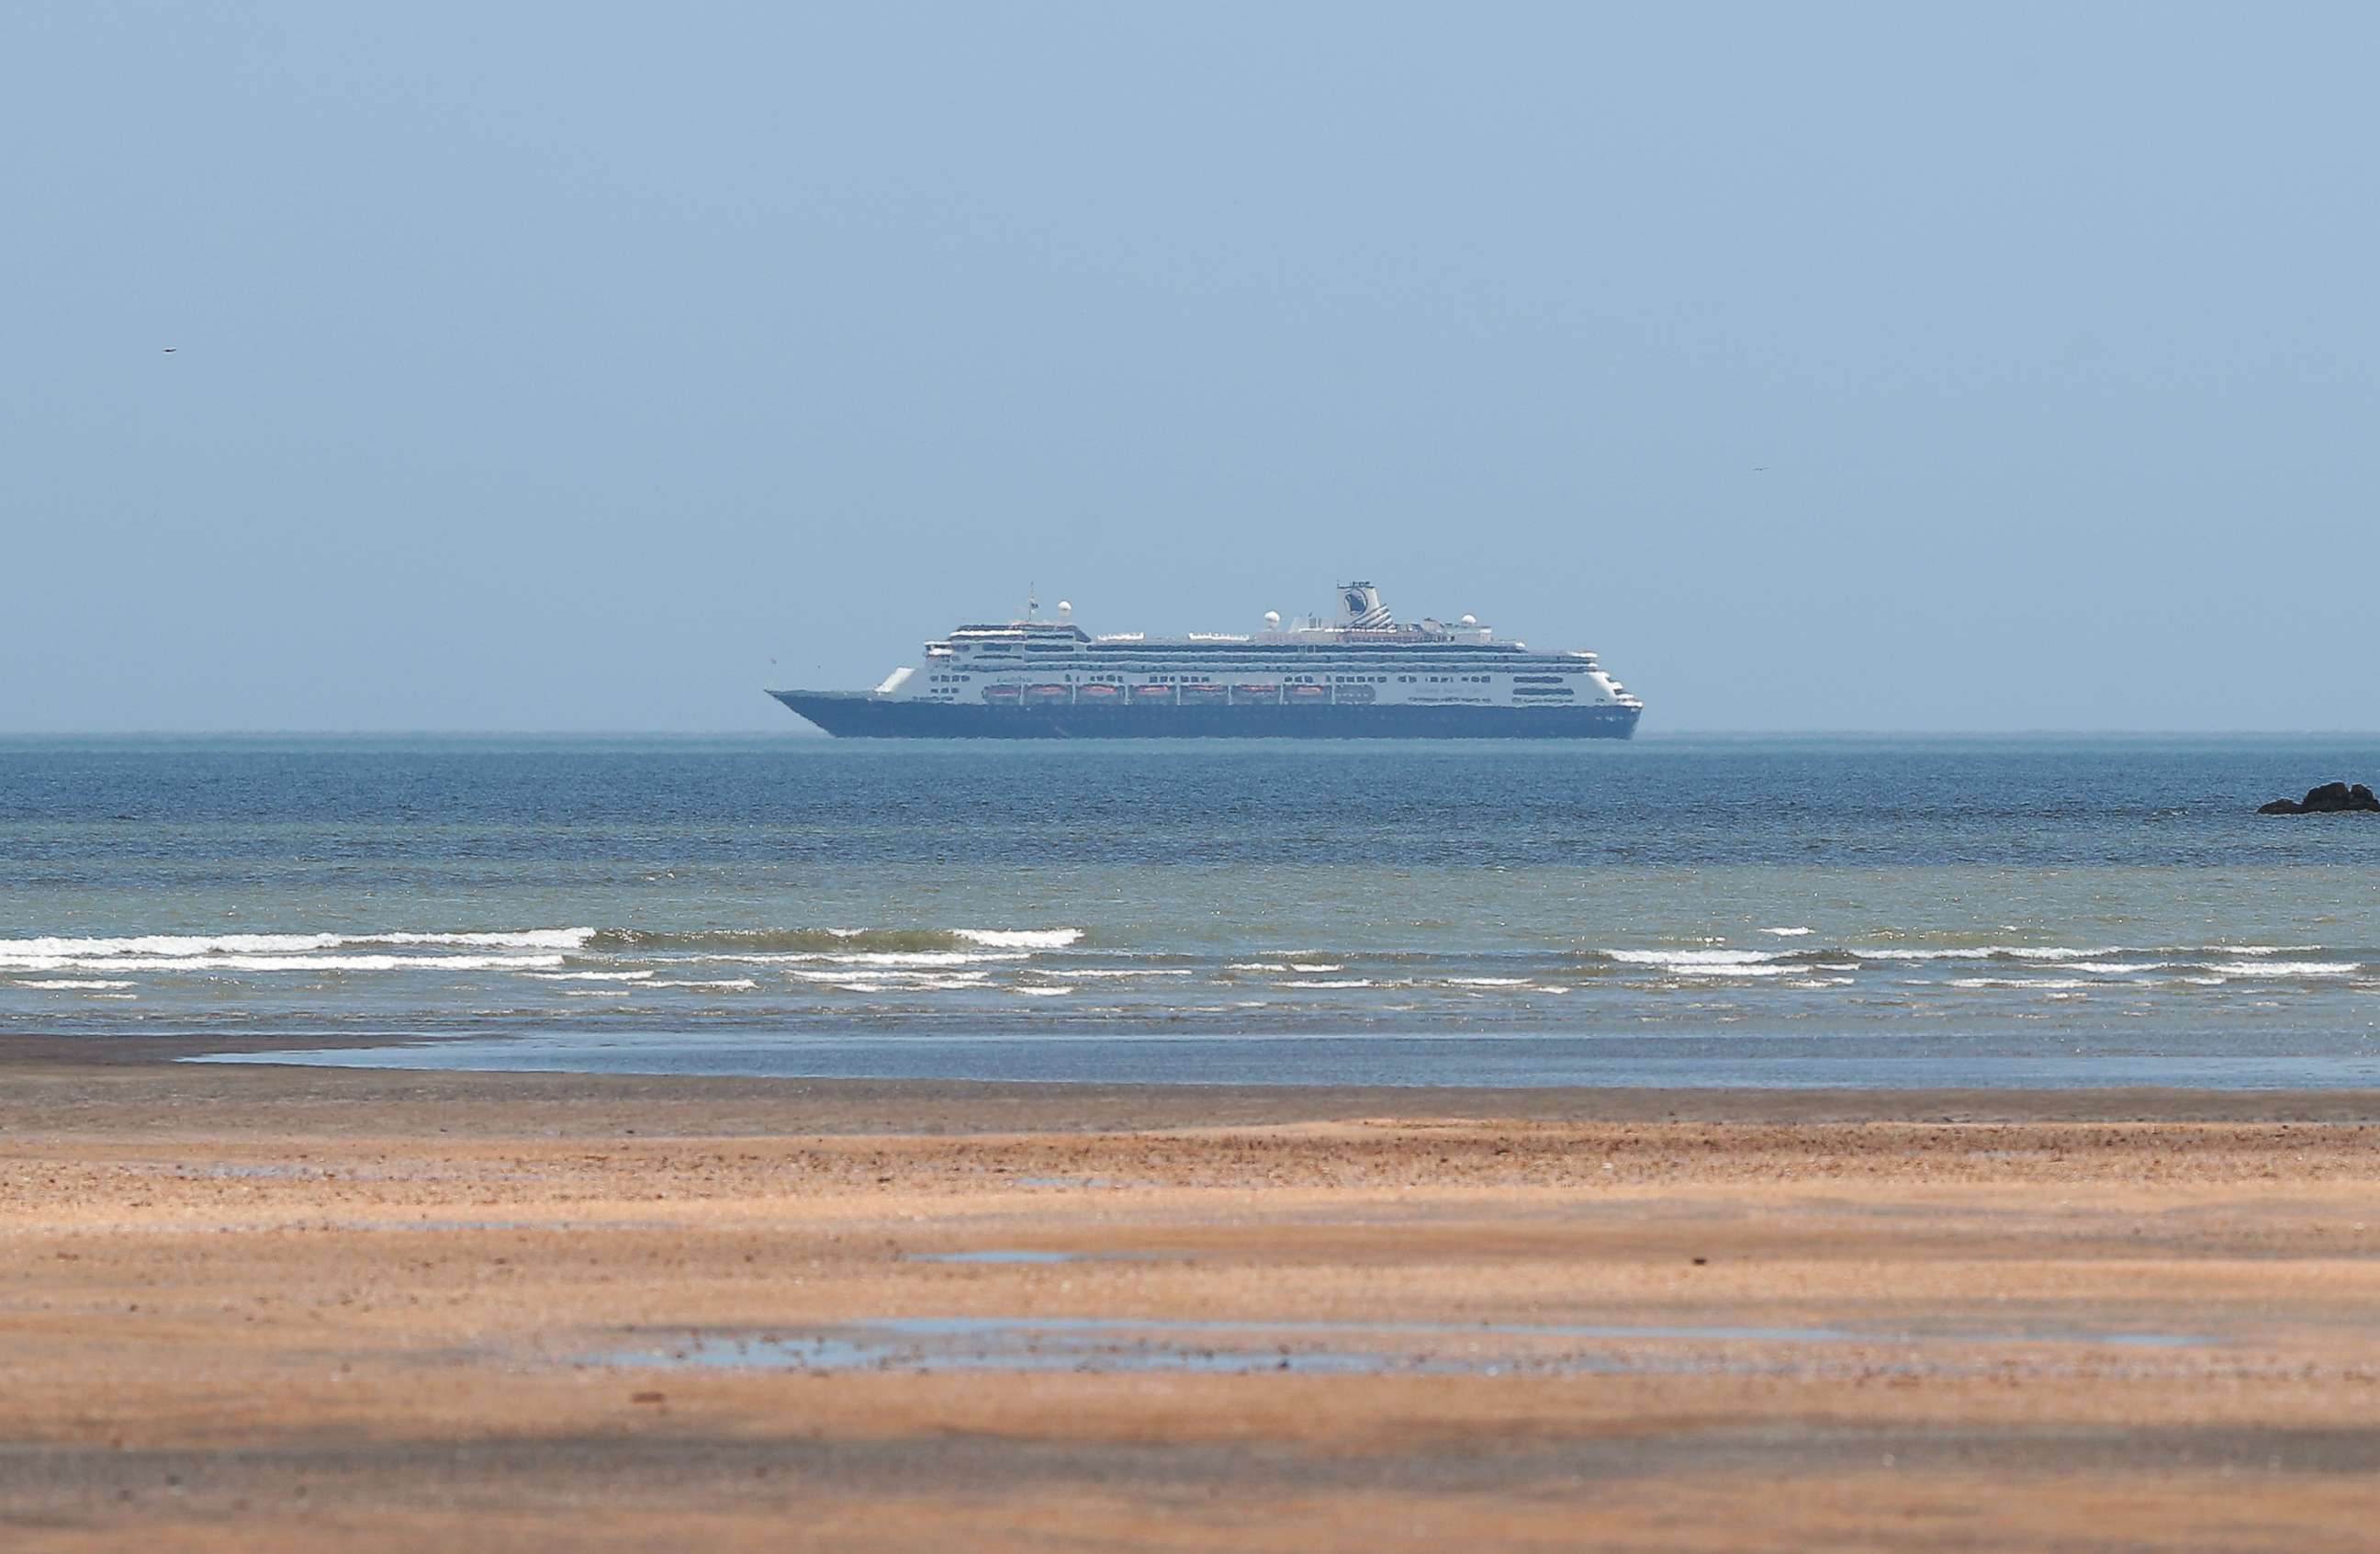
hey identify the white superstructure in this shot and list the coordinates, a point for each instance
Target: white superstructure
(1364, 657)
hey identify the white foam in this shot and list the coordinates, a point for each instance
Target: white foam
(1257, 965)
(596, 993)
(1330, 982)
(2036, 983)
(2302, 968)
(527, 939)
(744, 983)
(1994, 952)
(944, 978)
(875, 957)
(1043, 992)
(1686, 959)
(1788, 933)
(75, 984)
(196, 946)
(1315, 965)
(1488, 981)
(301, 963)
(1021, 939)
(589, 975)
(1107, 971)
(154, 946)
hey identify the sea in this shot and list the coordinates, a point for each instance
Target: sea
(1674, 910)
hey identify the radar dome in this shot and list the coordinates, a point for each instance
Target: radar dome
(1470, 620)
(1065, 607)
(1273, 618)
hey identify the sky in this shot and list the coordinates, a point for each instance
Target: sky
(545, 367)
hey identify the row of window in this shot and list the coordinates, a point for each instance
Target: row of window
(1375, 674)
(1105, 679)
(1245, 650)
(1523, 684)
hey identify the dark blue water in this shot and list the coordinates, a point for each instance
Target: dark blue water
(1676, 910)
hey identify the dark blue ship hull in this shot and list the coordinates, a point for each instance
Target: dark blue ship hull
(854, 714)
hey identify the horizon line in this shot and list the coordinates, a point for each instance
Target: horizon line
(801, 734)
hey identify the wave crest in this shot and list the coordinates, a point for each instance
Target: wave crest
(195, 947)
(834, 940)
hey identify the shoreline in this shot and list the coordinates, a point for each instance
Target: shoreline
(96, 1076)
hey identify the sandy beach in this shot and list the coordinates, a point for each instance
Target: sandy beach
(248, 1307)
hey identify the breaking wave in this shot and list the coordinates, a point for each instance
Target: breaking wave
(1022, 939)
(200, 946)
(1376, 974)
(847, 939)
(199, 962)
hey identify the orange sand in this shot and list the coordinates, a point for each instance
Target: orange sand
(266, 1307)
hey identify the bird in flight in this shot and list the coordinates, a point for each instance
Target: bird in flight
(169, 350)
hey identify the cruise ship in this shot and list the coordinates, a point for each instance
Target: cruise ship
(1362, 676)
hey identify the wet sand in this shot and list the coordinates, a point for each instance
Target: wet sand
(248, 1307)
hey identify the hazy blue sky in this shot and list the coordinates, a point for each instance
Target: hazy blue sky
(558, 366)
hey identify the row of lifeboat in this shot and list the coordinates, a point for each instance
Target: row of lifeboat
(1200, 694)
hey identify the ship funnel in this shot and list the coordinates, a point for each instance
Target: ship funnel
(1360, 607)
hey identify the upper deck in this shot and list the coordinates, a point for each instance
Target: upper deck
(1364, 623)
(1365, 657)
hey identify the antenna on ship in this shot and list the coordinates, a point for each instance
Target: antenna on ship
(1032, 604)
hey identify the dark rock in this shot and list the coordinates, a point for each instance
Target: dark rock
(2331, 798)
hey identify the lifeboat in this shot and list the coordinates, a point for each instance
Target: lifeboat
(1003, 695)
(1309, 693)
(1256, 693)
(1151, 695)
(1203, 695)
(1095, 693)
(1048, 695)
